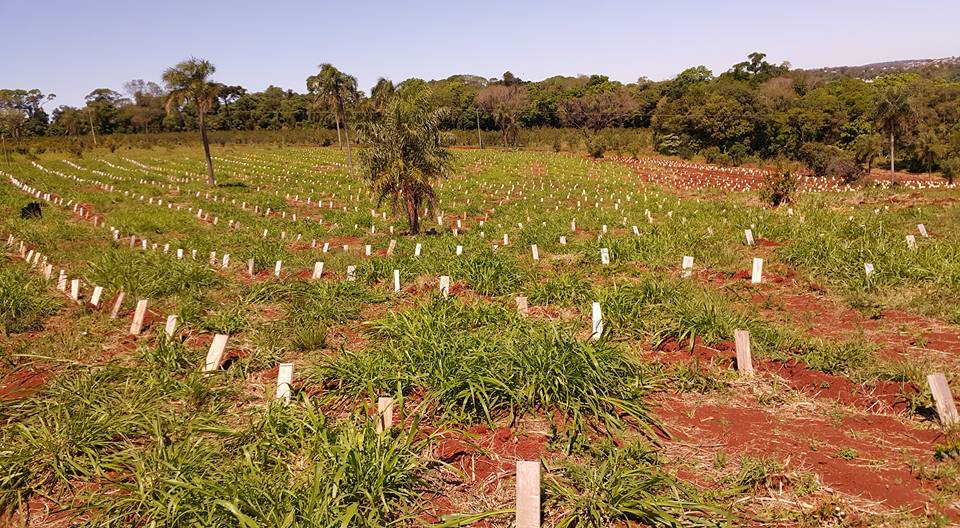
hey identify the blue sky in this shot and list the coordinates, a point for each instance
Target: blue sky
(72, 47)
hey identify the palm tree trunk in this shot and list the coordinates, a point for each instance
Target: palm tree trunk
(336, 117)
(206, 151)
(346, 134)
(891, 156)
(413, 218)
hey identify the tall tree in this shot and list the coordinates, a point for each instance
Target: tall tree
(336, 88)
(382, 93)
(403, 156)
(504, 104)
(189, 83)
(894, 114)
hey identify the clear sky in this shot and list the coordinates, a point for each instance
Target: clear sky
(70, 47)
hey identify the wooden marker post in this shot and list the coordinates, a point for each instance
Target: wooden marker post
(946, 408)
(748, 234)
(757, 274)
(396, 281)
(215, 354)
(528, 494)
(351, 273)
(923, 230)
(250, 267)
(604, 256)
(911, 242)
(391, 247)
(276, 268)
(459, 250)
(384, 413)
(535, 251)
(522, 307)
(116, 306)
(596, 326)
(687, 266)
(137, 324)
(75, 290)
(284, 381)
(563, 240)
(95, 298)
(317, 270)
(744, 359)
(445, 286)
(417, 249)
(171, 325)
(226, 261)
(868, 269)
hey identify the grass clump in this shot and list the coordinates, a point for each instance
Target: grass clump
(481, 362)
(624, 485)
(24, 303)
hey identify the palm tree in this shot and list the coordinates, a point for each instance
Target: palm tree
(335, 87)
(894, 113)
(381, 93)
(403, 156)
(189, 83)
(928, 148)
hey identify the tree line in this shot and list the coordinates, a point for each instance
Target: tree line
(833, 121)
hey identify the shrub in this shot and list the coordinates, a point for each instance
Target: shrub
(778, 188)
(844, 167)
(950, 168)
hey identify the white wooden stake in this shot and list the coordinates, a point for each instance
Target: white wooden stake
(171, 325)
(384, 413)
(137, 324)
(522, 307)
(317, 270)
(215, 354)
(284, 381)
(946, 407)
(95, 298)
(445, 286)
(535, 251)
(604, 256)
(396, 280)
(923, 230)
(744, 359)
(868, 269)
(756, 276)
(276, 268)
(351, 273)
(75, 289)
(748, 234)
(528, 494)
(596, 326)
(687, 266)
(116, 306)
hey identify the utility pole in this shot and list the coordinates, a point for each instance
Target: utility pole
(479, 137)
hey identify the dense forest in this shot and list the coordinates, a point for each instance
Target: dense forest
(836, 121)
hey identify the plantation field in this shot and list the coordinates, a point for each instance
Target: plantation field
(645, 419)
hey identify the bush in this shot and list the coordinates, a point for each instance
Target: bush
(950, 168)
(778, 188)
(596, 146)
(845, 168)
